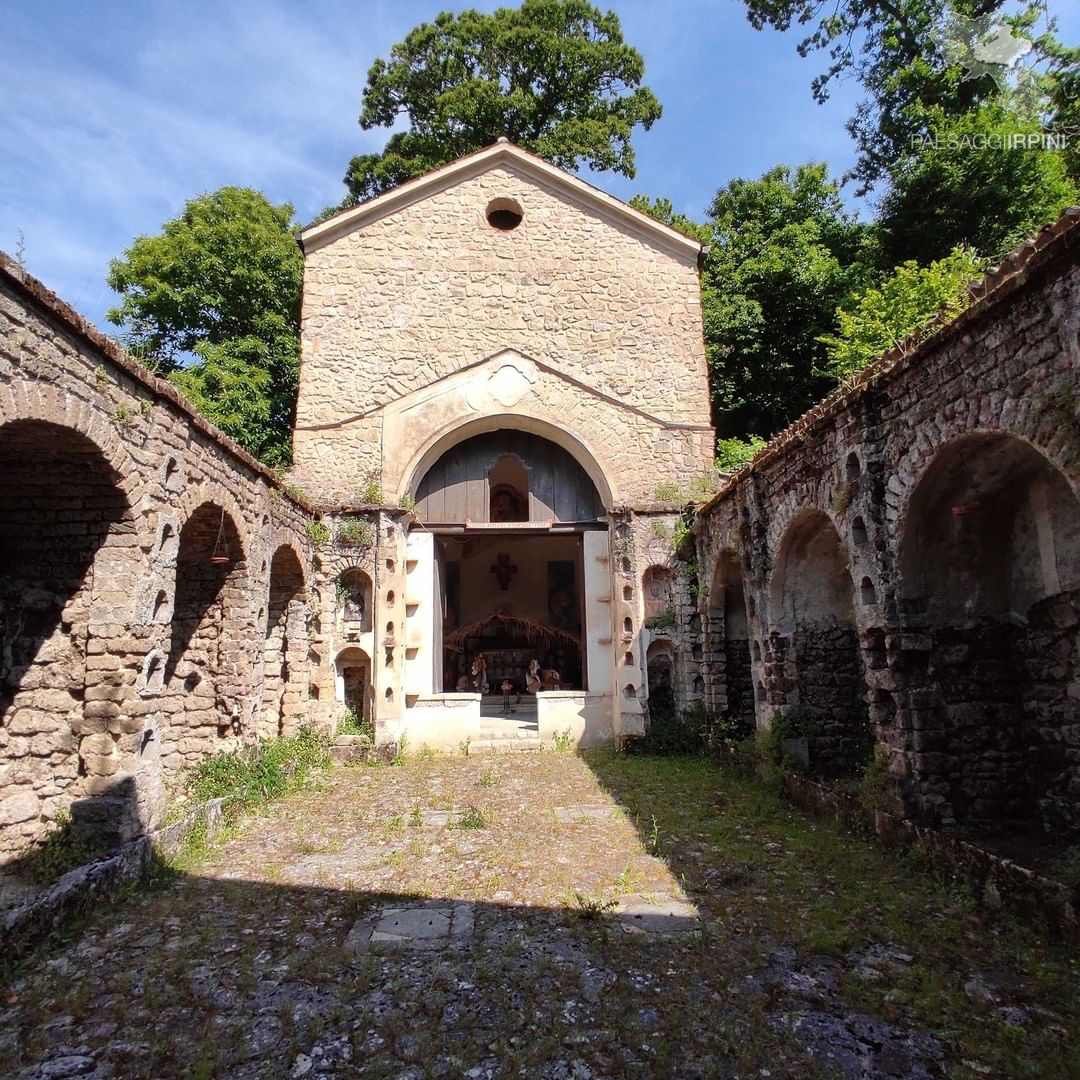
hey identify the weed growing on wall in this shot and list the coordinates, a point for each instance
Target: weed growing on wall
(354, 532)
(372, 492)
(350, 722)
(317, 533)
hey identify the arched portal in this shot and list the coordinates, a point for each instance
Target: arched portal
(208, 673)
(455, 435)
(812, 619)
(69, 568)
(990, 570)
(510, 511)
(507, 475)
(285, 644)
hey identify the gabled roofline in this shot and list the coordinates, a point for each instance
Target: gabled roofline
(316, 236)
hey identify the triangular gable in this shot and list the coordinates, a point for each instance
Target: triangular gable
(501, 153)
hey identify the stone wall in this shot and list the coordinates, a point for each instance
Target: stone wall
(152, 585)
(909, 556)
(426, 322)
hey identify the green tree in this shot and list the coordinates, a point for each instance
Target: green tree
(553, 76)
(885, 315)
(960, 190)
(664, 211)
(895, 48)
(784, 255)
(733, 452)
(213, 302)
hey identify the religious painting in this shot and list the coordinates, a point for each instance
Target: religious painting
(563, 609)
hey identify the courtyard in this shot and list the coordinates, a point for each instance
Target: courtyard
(542, 915)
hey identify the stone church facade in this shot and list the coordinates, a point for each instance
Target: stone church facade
(502, 416)
(522, 356)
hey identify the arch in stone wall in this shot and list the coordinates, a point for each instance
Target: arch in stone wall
(285, 644)
(657, 593)
(355, 598)
(989, 576)
(451, 435)
(70, 564)
(209, 672)
(354, 682)
(729, 641)
(814, 641)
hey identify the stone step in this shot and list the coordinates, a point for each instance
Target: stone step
(505, 746)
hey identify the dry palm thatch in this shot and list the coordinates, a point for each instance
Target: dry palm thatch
(517, 625)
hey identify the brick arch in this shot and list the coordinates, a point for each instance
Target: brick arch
(989, 576)
(45, 402)
(70, 566)
(813, 643)
(285, 644)
(212, 653)
(213, 492)
(919, 454)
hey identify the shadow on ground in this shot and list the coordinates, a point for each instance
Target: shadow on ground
(542, 916)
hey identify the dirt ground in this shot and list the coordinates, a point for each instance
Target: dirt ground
(543, 915)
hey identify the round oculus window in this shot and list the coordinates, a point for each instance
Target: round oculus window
(504, 214)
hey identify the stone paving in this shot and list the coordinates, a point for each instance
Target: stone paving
(468, 917)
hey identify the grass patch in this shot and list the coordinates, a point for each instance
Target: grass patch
(472, 817)
(589, 908)
(269, 771)
(810, 885)
(563, 742)
(350, 722)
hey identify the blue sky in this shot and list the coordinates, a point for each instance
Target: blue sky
(116, 112)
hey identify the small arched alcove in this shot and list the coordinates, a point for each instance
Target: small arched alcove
(656, 590)
(508, 489)
(812, 617)
(354, 600)
(354, 686)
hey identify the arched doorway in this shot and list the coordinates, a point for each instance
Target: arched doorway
(285, 644)
(814, 638)
(510, 510)
(208, 674)
(990, 571)
(69, 571)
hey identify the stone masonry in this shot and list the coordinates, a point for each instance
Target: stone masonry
(909, 559)
(152, 604)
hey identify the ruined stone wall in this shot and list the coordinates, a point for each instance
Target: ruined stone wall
(599, 326)
(136, 545)
(948, 477)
